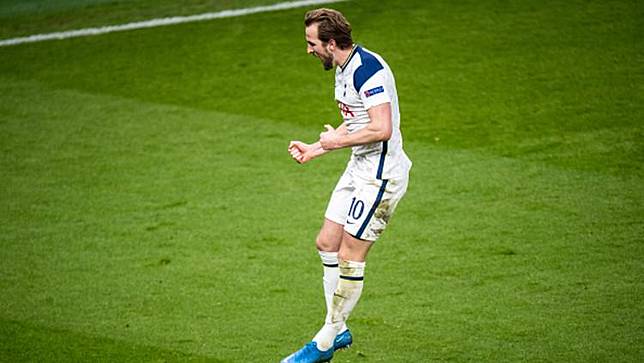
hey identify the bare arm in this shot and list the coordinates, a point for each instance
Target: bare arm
(379, 129)
(302, 152)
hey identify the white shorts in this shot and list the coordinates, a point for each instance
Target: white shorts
(364, 206)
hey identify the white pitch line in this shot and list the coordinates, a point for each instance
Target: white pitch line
(162, 22)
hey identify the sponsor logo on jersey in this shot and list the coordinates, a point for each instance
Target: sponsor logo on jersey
(345, 110)
(374, 91)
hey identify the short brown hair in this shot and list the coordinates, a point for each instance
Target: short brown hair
(331, 25)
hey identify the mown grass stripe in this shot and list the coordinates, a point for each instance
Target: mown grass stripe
(162, 22)
(513, 239)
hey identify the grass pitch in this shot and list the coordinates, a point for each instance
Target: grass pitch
(150, 211)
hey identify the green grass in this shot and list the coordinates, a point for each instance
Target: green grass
(150, 211)
(26, 17)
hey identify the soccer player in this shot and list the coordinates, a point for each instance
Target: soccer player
(373, 183)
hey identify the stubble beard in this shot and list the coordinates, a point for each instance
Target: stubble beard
(327, 61)
(328, 64)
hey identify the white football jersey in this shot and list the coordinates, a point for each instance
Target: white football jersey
(365, 80)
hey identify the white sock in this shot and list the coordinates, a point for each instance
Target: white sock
(330, 281)
(345, 299)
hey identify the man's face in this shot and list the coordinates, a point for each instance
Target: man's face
(317, 48)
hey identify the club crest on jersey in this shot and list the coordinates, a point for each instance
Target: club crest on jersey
(374, 91)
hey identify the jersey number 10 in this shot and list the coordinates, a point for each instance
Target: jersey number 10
(356, 209)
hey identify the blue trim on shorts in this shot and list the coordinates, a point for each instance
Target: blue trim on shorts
(381, 192)
(381, 162)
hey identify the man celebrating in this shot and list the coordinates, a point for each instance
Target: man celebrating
(373, 183)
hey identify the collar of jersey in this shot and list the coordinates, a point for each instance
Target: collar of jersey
(353, 52)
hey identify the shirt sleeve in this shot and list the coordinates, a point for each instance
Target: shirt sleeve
(373, 92)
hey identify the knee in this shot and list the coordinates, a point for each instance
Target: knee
(345, 255)
(330, 237)
(353, 249)
(325, 244)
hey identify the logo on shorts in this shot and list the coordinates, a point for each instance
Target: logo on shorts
(374, 91)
